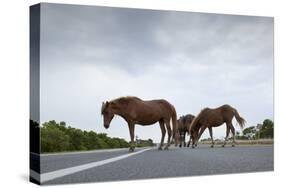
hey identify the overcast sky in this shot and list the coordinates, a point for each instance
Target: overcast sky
(93, 54)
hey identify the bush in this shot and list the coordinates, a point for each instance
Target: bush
(53, 139)
(56, 137)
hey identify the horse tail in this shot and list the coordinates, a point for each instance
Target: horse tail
(241, 121)
(174, 122)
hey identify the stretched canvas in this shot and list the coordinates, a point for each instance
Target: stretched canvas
(127, 94)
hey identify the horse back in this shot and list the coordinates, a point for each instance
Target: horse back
(152, 109)
(159, 104)
(218, 116)
(227, 112)
(211, 117)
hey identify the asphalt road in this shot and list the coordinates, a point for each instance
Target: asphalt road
(151, 163)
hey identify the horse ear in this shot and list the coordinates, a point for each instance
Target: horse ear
(106, 103)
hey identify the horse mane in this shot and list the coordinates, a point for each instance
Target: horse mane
(189, 118)
(184, 119)
(196, 119)
(120, 100)
(125, 99)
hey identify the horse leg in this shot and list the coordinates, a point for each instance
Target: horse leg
(200, 133)
(226, 137)
(193, 136)
(175, 139)
(132, 135)
(233, 134)
(163, 131)
(211, 135)
(168, 126)
(184, 143)
(180, 139)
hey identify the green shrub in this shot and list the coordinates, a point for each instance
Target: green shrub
(56, 137)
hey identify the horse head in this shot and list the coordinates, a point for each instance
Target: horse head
(107, 112)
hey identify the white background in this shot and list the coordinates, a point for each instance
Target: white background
(14, 91)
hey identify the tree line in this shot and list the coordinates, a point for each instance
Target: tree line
(58, 137)
(261, 131)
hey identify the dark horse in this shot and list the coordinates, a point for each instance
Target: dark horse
(184, 123)
(209, 118)
(137, 111)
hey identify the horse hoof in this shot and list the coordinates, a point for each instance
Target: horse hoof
(166, 148)
(212, 146)
(160, 148)
(193, 147)
(222, 146)
(180, 146)
(131, 150)
(233, 145)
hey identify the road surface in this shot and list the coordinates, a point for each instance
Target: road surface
(113, 165)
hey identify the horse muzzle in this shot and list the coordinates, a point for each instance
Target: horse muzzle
(106, 126)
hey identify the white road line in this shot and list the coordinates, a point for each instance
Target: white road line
(67, 171)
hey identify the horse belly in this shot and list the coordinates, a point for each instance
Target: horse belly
(215, 121)
(147, 117)
(147, 121)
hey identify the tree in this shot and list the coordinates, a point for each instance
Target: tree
(113, 143)
(91, 140)
(145, 143)
(76, 139)
(101, 143)
(53, 139)
(123, 143)
(266, 130)
(249, 130)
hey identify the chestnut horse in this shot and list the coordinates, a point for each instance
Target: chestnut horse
(136, 111)
(183, 128)
(209, 118)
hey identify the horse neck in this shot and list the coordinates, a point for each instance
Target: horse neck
(197, 125)
(118, 109)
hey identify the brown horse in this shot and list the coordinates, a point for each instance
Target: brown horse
(137, 111)
(209, 118)
(183, 128)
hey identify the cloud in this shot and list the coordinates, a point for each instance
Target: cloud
(194, 60)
